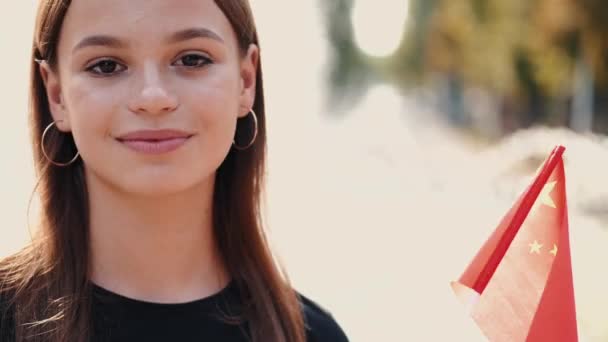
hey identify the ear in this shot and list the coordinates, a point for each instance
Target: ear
(54, 96)
(249, 70)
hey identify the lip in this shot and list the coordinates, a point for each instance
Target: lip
(154, 141)
(160, 134)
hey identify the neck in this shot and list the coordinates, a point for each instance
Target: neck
(159, 249)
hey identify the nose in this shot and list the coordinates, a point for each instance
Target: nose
(152, 95)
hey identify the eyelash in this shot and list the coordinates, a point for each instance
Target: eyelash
(203, 61)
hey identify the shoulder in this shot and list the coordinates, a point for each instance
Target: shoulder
(320, 324)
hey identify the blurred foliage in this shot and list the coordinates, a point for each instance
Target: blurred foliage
(349, 68)
(523, 52)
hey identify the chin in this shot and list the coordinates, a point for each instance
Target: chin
(165, 185)
(158, 178)
(156, 188)
(152, 181)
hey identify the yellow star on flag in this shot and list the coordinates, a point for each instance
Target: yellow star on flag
(535, 247)
(554, 250)
(545, 197)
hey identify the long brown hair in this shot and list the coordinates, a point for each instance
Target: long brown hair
(47, 282)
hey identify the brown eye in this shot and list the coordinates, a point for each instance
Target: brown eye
(193, 61)
(105, 67)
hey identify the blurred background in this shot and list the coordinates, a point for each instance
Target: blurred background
(399, 133)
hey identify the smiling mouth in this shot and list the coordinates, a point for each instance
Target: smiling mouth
(154, 146)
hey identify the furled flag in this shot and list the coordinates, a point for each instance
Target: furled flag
(519, 285)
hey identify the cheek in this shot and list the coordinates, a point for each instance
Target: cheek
(215, 106)
(90, 110)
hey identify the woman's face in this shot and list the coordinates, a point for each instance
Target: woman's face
(151, 90)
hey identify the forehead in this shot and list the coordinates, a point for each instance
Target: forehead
(142, 20)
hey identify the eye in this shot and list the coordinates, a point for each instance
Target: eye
(106, 67)
(193, 61)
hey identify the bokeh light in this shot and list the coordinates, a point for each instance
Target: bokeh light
(378, 28)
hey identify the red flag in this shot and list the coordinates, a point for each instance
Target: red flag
(519, 285)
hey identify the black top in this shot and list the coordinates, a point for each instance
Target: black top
(117, 318)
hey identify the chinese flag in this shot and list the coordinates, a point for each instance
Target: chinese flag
(519, 285)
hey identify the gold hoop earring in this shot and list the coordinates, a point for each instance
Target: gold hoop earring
(46, 130)
(255, 134)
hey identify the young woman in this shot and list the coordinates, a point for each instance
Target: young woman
(148, 128)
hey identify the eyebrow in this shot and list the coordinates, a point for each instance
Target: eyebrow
(99, 41)
(193, 33)
(179, 36)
